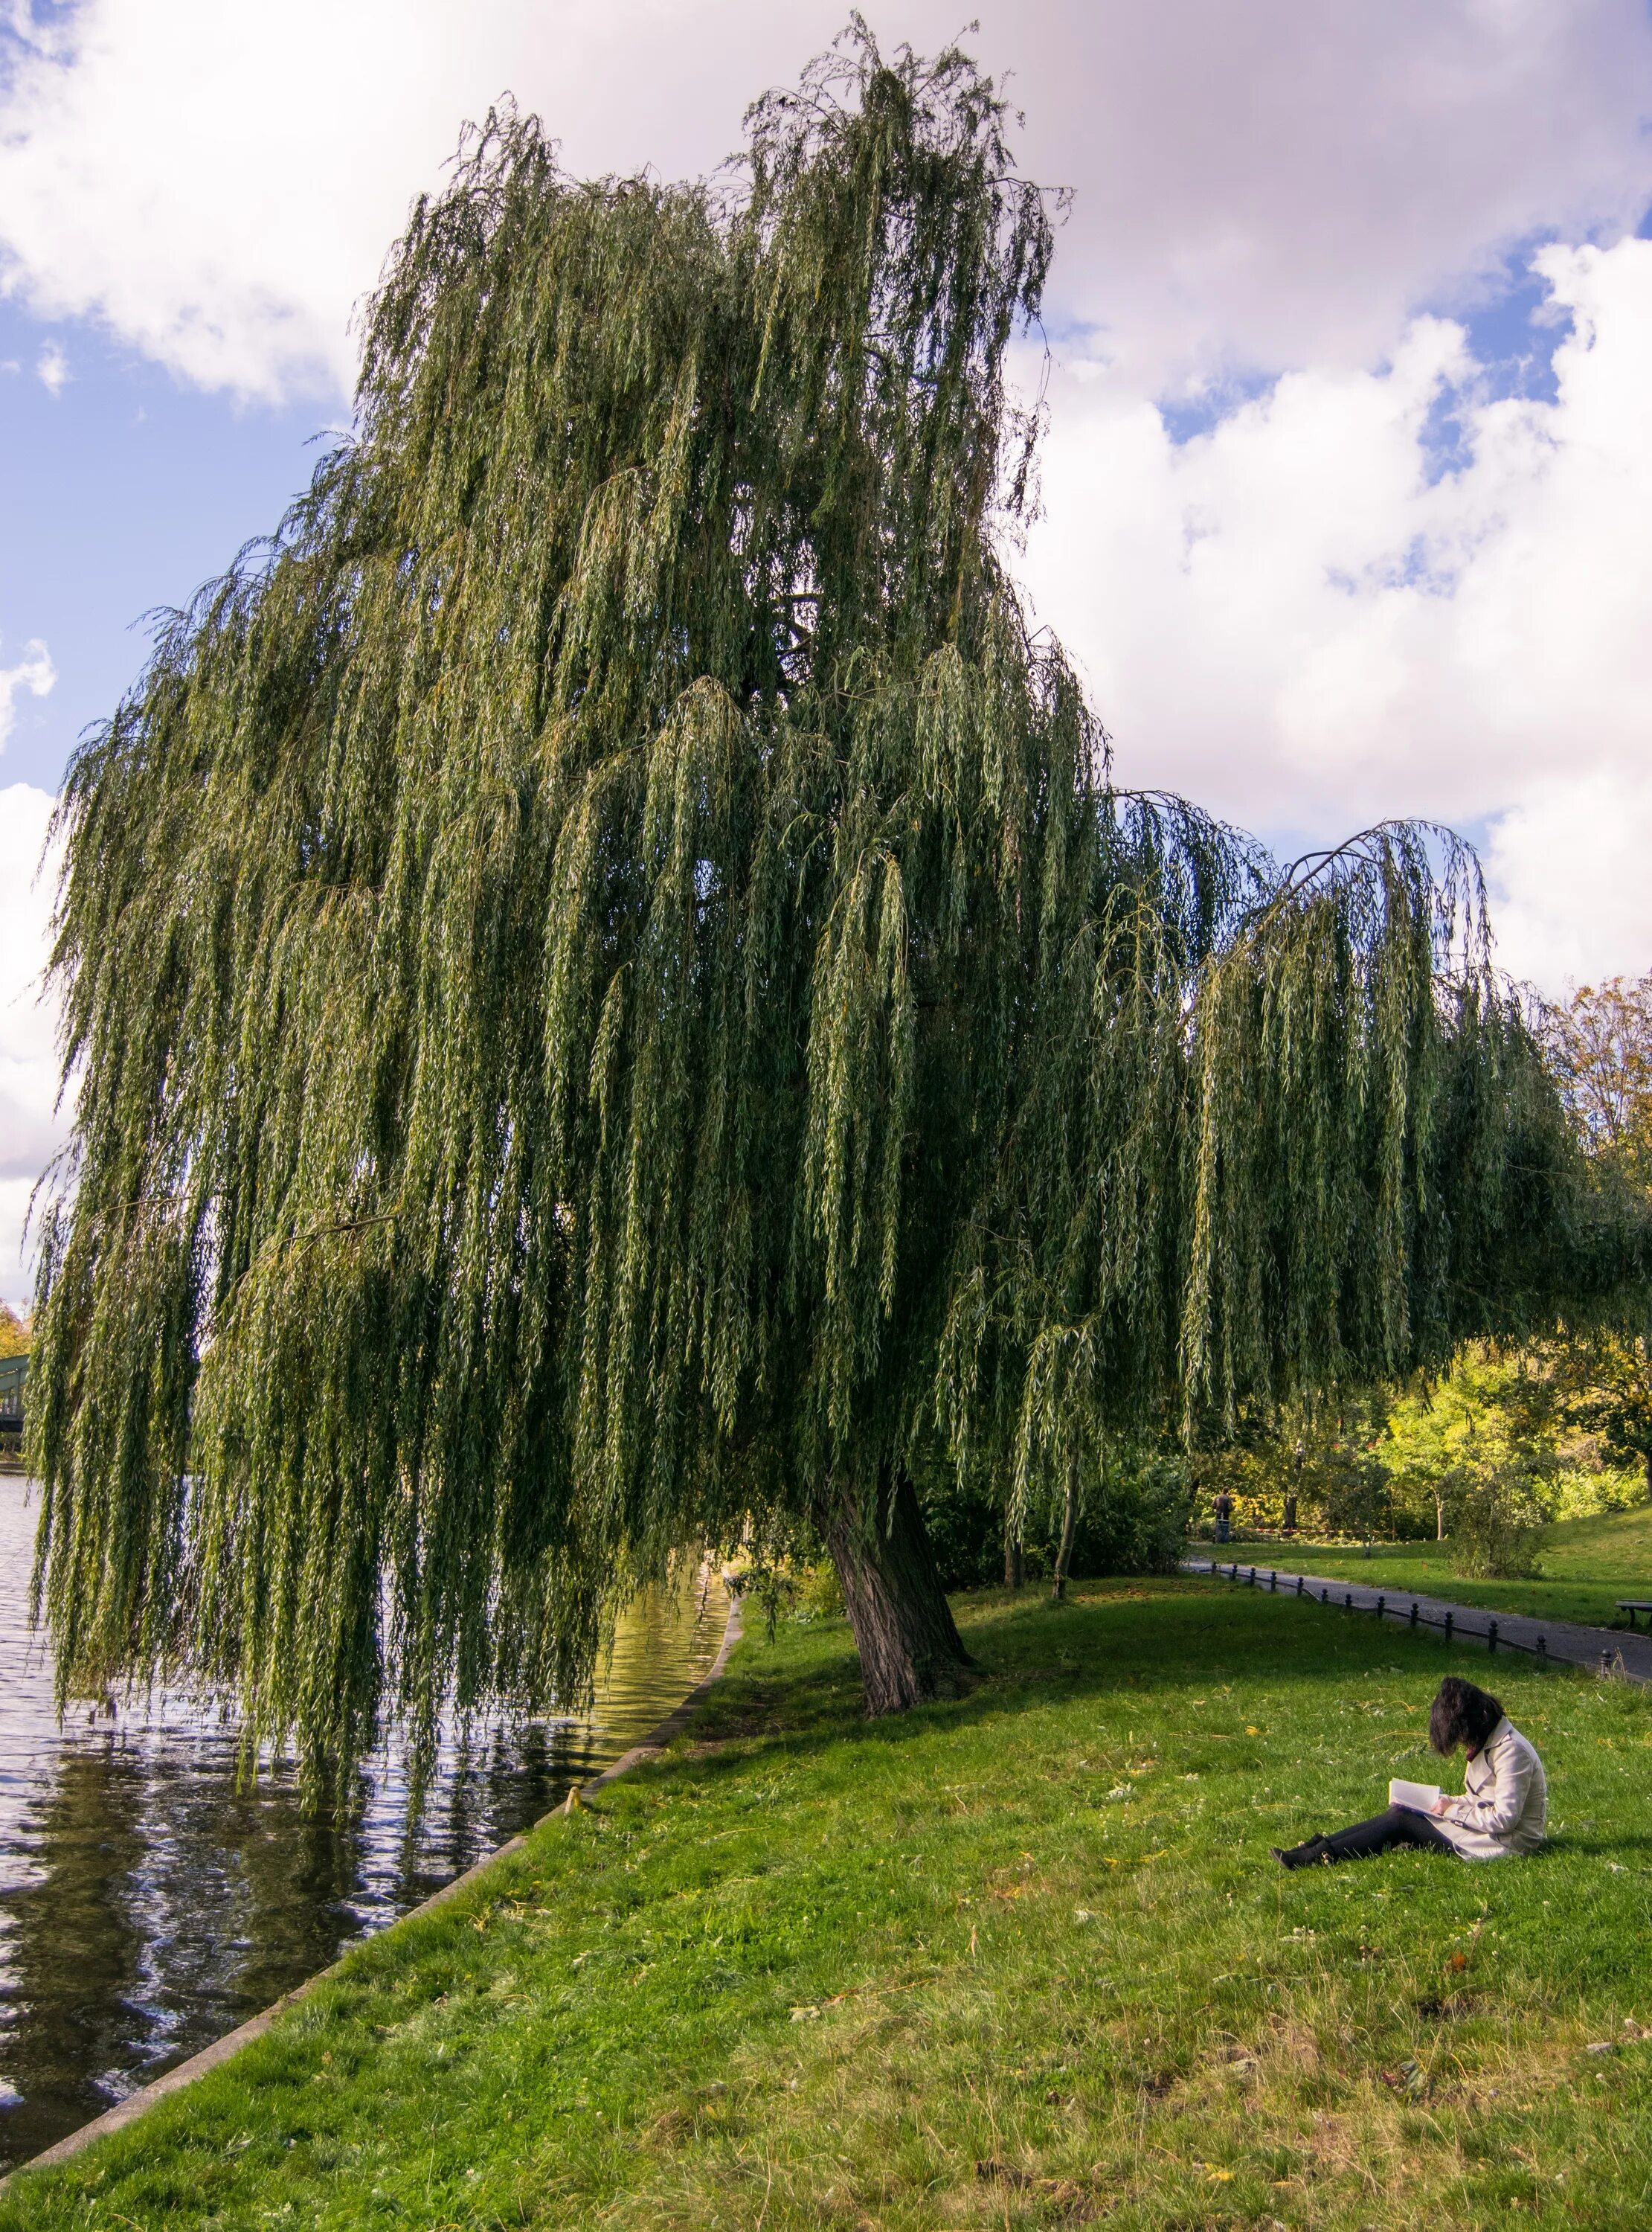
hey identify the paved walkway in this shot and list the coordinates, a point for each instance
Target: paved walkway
(1602, 1650)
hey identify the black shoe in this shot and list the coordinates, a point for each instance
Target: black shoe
(1300, 1856)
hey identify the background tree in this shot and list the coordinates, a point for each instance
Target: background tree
(616, 1004)
(13, 1333)
(1310, 1462)
(1599, 1045)
(1603, 1376)
(1478, 1452)
(1494, 1415)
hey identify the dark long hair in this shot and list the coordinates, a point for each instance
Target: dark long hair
(1462, 1714)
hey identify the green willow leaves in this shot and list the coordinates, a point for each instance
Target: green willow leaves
(608, 990)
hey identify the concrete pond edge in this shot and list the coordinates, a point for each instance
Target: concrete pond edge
(225, 2048)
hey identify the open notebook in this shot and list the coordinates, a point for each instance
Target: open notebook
(1421, 1797)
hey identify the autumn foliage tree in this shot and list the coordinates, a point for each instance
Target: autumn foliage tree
(1599, 1044)
(615, 1001)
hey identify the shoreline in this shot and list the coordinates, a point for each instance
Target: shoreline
(185, 2073)
(1022, 1951)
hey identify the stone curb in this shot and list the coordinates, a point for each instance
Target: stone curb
(224, 2049)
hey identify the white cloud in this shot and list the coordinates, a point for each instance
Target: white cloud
(1274, 185)
(220, 184)
(1288, 619)
(29, 1130)
(1263, 185)
(1569, 865)
(34, 672)
(51, 369)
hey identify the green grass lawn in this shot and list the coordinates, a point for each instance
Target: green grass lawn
(1019, 1959)
(1587, 1565)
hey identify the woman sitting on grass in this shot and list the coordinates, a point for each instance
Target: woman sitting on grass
(1500, 1813)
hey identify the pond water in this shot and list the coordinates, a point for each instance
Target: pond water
(147, 1905)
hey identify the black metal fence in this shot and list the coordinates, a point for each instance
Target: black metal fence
(1451, 1627)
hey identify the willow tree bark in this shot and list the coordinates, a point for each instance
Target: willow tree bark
(910, 1646)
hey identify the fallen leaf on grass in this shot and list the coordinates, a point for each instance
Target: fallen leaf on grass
(1457, 1964)
(1408, 2077)
(804, 2014)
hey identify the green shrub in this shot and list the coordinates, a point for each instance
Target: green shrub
(816, 1592)
(1496, 1522)
(1133, 1521)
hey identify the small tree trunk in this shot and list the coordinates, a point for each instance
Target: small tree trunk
(1015, 1558)
(909, 1647)
(1069, 1527)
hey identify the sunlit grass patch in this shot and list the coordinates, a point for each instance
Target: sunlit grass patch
(1586, 1566)
(1018, 1958)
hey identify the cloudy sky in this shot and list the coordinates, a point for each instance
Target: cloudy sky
(1348, 485)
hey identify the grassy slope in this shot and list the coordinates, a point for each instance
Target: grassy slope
(1019, 1959)
(1587, 1565)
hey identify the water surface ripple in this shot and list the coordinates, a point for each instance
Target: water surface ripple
(147, 1905)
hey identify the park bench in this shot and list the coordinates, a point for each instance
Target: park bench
(1635, 1605)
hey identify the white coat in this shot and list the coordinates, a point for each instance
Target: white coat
(1506, 1803)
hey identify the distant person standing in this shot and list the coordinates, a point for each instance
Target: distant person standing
(1224, 1515)
(1290, 1515)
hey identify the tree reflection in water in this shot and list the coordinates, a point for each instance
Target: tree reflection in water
(147, 1905)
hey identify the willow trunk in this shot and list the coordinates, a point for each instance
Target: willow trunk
(1015, 1557)
(1069, 1528)
(910, 1646)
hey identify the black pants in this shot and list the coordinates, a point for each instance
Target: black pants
(1399, 1825)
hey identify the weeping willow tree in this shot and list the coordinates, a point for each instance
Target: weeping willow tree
(612, 998)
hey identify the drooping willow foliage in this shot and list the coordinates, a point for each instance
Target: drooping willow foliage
(610, 991)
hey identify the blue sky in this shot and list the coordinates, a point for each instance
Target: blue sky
(1348, 482)
(122, 491)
